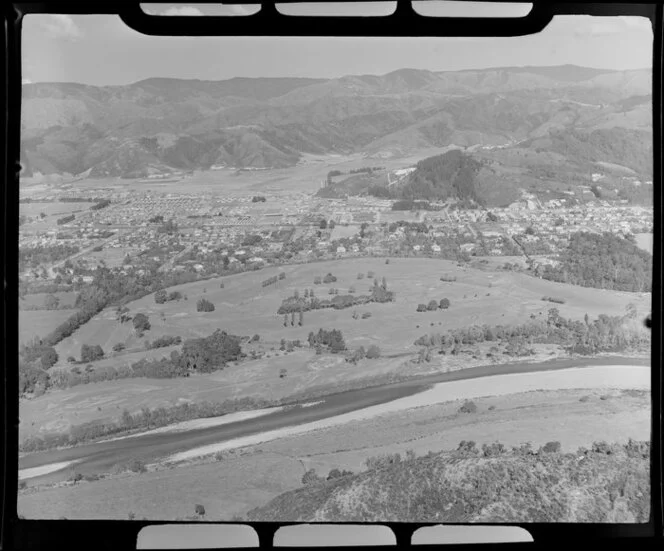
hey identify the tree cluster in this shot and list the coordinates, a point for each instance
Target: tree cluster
(91, 353)
(434, 305)
(269, 281)
(65, 220)
(162, 297)
(604, 261)
(164, 341)
(101, 204)
(332, 339)
(204, 305)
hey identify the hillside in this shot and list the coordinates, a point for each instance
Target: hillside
(161, 124)
(608, 483)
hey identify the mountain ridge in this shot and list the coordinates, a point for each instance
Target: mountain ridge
(271, 122)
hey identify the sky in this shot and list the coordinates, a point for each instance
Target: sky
(101, 50)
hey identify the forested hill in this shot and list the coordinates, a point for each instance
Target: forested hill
(610, 483)
(452, 174)
(604, 261)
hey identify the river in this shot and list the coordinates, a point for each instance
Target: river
(99, 457)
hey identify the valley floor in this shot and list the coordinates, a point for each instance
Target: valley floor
(239, 480)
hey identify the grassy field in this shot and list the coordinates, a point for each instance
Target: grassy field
(67, 299)
(243, 307)
(38, 323)
(249, 478)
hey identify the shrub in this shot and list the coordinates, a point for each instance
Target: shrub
(317, 280)
(554, 299)
(204, 305)
(421, 307)
(635, 448)
(467, 446)
(387, 261)
(491, 408)
(605, 397)
(91, 353)
(22, 485)
(366, 315)
(310, 477)
(164, 341)
(200, 510)
(584, 398)
(141, 322)
(444, 303)
(255, 338)
(433, 305)
(282, 373)
(160, 297)
(176, 295)
(493, 450)
(136, 466)
(373, 352)
(360, 276)
(118, 347)
(605, 448)
(49, 358)
(382, 461)
(370, 275)
(523, 449)
(71, 359)
(74, 477)
(468, 407)
(551, 447)
(329, 278)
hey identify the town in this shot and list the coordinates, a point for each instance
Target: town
(211, 234)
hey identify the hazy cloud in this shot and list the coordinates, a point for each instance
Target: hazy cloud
(59, 25)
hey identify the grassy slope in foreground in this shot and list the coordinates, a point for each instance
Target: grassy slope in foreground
(462, 487)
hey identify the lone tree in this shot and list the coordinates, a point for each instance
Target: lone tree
(373, 352)
(433, 305)
(310, 477)
(49, 358)
(160, 297)
(141, 322)
(292, 318)
(91, 353)
(421, 307)
(301, 321)
(204, 305)
(444, 303)
(285, 320)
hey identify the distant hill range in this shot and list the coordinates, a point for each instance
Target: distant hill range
(161, 124)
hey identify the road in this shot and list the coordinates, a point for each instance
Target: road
(100, 457)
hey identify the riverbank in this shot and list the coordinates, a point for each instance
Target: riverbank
(235, 481)
(605, 377)
(423, 373)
